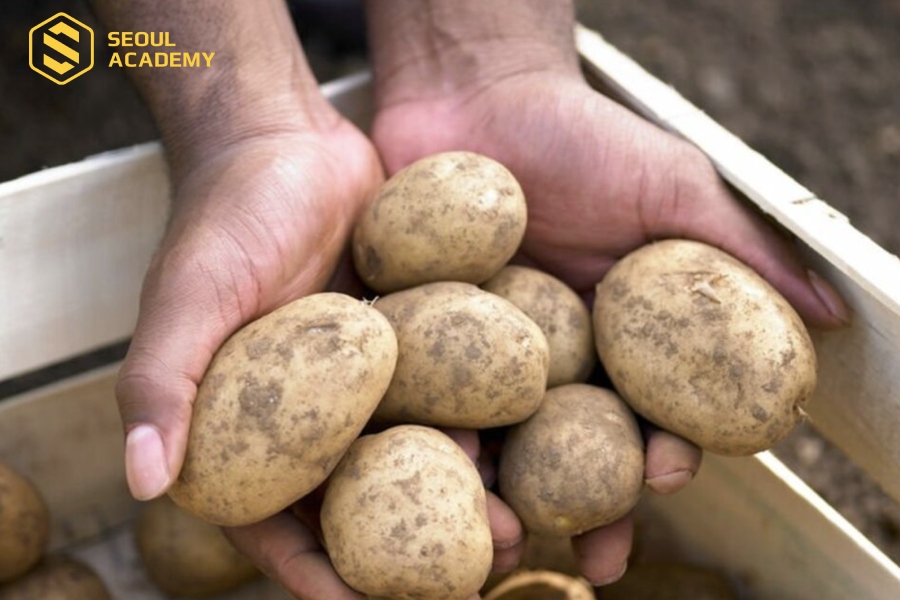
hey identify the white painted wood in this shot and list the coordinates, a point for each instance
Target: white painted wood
(857, 404)
(75, 242)
(756, 520)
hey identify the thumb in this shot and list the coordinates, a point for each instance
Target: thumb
(186, 313)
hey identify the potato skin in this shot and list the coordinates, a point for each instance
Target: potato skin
(186, 556)
(24, 523)
(57, 578)
(576, 464)
(701, 345)
(405, 517)
(559, 312)
(541, 585)
(467, 358)
(453, 216)
(282, 400)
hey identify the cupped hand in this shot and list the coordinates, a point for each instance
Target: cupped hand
(255, 224)
(599, 182)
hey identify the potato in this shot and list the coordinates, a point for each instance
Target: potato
(281, 402)
(24, 524)
(186, 556)
(559, 312)
(467, 358)
(454, 216)
(670, 581)
(701, 345)
(576, 464)
(57, 578)
(541, 585)
(405, 517)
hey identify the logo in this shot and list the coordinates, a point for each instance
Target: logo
(61, 48)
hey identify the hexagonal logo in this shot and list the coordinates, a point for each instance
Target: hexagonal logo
(61, 48)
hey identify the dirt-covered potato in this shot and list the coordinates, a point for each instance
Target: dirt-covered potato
(698, 343)
(454, 216)
(670, 581)
(57, 578)
(24, 523)
(467, 358)
(576, 464)
(559, 312)
(405, 517)
(541, 585)
(186, 556)
(281, 402)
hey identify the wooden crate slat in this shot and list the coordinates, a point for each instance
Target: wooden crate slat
(67, 437)
(75, 242)
(857, 404)
(755, 519)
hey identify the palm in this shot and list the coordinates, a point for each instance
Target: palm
(599, 181)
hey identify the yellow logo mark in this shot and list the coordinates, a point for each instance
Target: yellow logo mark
(61, 48)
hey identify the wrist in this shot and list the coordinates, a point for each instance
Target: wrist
(437, 48)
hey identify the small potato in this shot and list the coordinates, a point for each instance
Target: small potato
(559, 312)
(670, 581)
(454, 216)
(24, 524)
(185, 556)
(405, 517)
(701, 345)
(281, 402)
(541, 585)
(57, 578)
(467, 358)
(576, 464)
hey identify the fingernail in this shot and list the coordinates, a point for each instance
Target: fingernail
(828, 297)
(145, 463)
(670, 482)
(617, 575)
(507, 544)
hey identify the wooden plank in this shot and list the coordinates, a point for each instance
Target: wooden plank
(753, 518)
(67, 437)
(857, 405)
(75, 242)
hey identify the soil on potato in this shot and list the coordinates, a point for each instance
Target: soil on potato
(812, 84)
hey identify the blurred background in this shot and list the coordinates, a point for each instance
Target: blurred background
(814, 85)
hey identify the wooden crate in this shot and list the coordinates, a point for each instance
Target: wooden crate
(76, 240)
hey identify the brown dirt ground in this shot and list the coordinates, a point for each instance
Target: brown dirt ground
(812, 84)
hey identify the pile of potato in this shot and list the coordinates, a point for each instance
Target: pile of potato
(27, 570)
(459, 338)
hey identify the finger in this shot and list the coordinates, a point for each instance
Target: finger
(602, 553)
(467, 439)
(671, 461)
(507, 534)
(700, 206)
(184, 317)
(286, 551)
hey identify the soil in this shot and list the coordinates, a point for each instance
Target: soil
(812, 84)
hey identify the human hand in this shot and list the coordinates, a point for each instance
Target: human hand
(599, 181)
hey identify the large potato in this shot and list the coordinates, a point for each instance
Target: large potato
(701, 345)
(576, 464)
(186, 556)
(405, 517)
(24, 524)
(57, 578)
(467, 358)
(559, 312)
(454, 216)
(281, 402)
